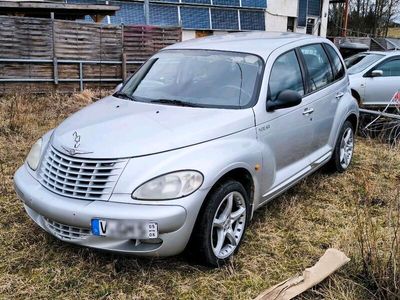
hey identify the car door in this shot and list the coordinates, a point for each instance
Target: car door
(327, 85)
(379, 90)
(286, 133)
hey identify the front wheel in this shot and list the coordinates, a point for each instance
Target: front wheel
(222, 223)
(343, 151)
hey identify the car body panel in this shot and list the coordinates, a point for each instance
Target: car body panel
(137, 129)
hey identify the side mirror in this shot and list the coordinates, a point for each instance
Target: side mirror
(286, 98)
(118, 87)
(376, 73)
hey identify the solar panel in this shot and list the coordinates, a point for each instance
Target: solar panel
(302, 19)
(166, 15)
(252, 20)
(255, 3)
(314, 7)
(195, 18)
(129, 13)
(224, 18)
(227, 2)
(171, 1)
(197, 1)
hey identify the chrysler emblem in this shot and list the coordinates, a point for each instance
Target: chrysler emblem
(73, 151)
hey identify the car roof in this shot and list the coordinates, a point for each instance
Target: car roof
(385, 53)
(261, 43)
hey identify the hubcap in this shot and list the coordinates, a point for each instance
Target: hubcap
(346, 148)
(228, 225)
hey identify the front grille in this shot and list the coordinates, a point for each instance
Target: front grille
(65, 231)
(89, 179)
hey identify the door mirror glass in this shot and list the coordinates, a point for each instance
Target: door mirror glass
(376, 73)
(118, 87)
(285, 99)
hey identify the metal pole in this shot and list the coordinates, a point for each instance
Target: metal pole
(147, 12)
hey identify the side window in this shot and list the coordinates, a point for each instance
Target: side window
(390, 68)
(318, 66)
(285, 75)
(337, 66)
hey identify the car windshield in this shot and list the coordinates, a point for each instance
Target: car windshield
(200, 78)
(359, 62)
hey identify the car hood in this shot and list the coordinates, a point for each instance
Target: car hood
(115, 128)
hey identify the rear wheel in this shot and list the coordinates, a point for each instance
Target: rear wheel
(222, 224)
(343, 151)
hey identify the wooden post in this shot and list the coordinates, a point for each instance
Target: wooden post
(55, 63)
(123, 67)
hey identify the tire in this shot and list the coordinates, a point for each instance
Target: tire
(344, 148)
(211, 227)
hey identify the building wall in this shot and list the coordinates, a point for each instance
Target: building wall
(278, 11)
(203, 17)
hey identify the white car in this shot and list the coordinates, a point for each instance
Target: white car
(374, 77)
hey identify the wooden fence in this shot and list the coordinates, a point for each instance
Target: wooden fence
(39, 55)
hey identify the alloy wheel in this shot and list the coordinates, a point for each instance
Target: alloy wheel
(228, 225)
(346, 148)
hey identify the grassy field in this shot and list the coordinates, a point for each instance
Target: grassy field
(357, 212)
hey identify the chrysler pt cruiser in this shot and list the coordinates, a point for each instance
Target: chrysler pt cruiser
(183, 153)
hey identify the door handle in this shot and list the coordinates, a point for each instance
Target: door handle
(308, 111)
(339, 95)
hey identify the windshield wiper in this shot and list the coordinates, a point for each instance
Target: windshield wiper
(175, 102)
(124, 96)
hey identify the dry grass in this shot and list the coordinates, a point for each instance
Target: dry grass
(356, 212)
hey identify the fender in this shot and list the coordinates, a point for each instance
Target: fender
(346, 107)
(213, 159)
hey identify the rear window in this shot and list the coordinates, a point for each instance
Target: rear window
(359, 62)
(337, 65)
(318, 66)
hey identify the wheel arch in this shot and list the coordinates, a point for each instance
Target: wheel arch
(353, 119)
(240, 174)
(356, 95)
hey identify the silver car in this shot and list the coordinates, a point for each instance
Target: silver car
(202, 135)
(374, 77)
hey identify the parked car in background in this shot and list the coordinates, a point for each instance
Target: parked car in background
(203, 134)
(374, 77)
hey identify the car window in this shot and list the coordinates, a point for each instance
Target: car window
(285, 75)
(198, 77)
(390, 68)
(318, 66)
(337, 65)
(359, 62)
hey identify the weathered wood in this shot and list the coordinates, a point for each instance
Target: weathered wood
(56, 40)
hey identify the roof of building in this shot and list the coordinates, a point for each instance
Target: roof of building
(260, 43)
(61, 10)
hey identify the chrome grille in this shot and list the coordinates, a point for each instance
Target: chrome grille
(65, 231)
(89, 179)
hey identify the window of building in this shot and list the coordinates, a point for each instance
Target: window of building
(285, 75)
(290, 24)
(318, 66)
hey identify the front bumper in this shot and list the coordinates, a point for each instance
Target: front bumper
(69, 219)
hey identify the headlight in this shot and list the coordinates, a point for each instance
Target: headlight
(33, 157)
(169, 186)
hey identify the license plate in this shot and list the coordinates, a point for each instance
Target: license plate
(126, 229)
